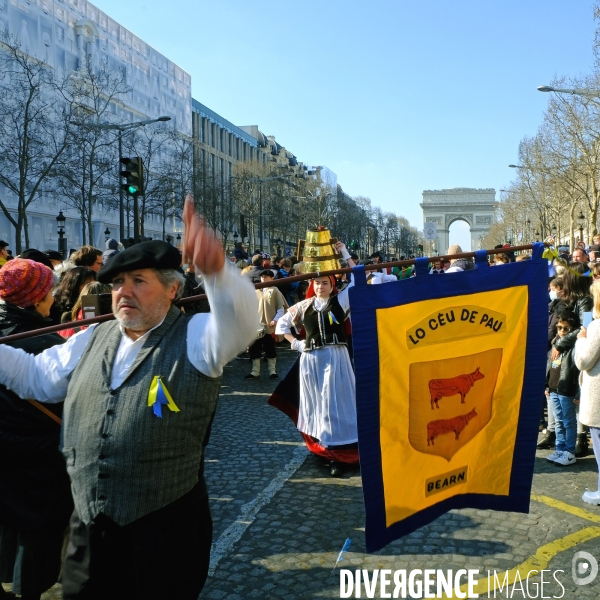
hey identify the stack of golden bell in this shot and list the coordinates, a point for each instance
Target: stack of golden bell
(318, 251)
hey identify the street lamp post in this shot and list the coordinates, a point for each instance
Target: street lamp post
(581, 219)
(121, 128)
(62, 242)
(572, 91)
(106, 234)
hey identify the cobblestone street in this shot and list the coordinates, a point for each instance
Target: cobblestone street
(280, 519)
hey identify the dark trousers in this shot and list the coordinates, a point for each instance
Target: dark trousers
(266, 342)
(162, 555)
(33, 558)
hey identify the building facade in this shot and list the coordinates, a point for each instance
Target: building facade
(71, 35)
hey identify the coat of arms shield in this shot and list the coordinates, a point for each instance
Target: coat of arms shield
(451, 401)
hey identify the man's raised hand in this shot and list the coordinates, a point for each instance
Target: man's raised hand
(200, 242)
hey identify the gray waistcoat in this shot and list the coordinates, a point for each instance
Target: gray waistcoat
(123, 460)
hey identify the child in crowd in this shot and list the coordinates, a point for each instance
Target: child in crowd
(271, 307)
(562, 388)
(548, 438)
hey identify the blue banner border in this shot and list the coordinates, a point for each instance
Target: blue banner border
(364, 302)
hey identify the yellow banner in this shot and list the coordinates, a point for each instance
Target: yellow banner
(451, 372)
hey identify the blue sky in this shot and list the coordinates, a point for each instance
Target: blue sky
(395, 96)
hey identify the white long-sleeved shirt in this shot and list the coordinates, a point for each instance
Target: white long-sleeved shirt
(212, 340)
(286, 322)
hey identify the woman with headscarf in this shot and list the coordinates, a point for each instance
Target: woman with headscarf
(35, 496)
(327, 408)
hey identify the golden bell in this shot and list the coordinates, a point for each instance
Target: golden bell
(318, 251)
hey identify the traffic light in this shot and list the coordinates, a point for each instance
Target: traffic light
(243, 227)
(420, 247)
(133, 171)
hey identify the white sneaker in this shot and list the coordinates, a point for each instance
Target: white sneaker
(591, 497)
(565, 459)
(552, 457)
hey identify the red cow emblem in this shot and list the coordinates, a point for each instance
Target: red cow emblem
(461, 384)
(465, 410)
(455, 424)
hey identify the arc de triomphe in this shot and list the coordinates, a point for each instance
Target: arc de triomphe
(474, 206)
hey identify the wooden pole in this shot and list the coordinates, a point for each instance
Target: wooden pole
(275, 282)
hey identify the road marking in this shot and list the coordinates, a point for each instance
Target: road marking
(544, 554)
(536, 562)
(249, 511)
(574, 510)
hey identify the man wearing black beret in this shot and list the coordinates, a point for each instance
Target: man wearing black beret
(140, 393)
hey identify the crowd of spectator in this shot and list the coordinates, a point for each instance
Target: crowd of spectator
(39, 288)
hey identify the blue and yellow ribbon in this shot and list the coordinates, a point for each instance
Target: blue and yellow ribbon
(332, 319)
(159, 395)
(550, 253)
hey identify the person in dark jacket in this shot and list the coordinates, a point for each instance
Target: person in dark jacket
(35, 496)
(288, 288)
(240, 252)
(548, 437)
(257, 268)
(576, 296)
(562, 388)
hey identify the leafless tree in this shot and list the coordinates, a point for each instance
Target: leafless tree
(34, 128)
(85, 172)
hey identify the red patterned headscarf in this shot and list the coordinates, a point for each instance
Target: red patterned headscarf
(310, 292)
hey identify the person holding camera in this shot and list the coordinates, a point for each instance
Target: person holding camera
(594, 251)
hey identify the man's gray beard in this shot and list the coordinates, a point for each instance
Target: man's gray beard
(144, 320)
(129, 322)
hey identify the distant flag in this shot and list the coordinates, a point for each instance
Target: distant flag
(340, 555)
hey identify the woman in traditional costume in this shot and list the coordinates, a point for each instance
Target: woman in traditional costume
(327, 406)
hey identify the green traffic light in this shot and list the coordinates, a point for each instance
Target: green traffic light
(132, 189)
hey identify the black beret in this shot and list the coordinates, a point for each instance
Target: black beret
(53, 255)
(147, 255)
(37, 256)
(266, 273)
